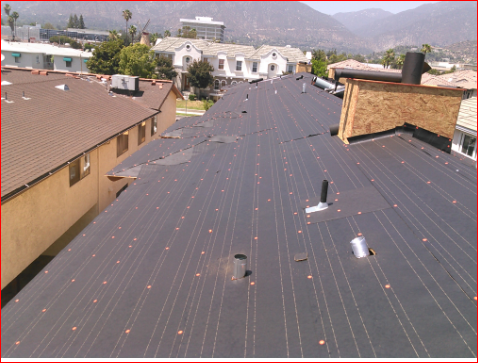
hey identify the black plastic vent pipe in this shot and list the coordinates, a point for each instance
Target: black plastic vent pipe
(413, 68)
(369, 75)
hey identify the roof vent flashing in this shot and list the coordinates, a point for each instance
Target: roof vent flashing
(63, 87)
(359, 247)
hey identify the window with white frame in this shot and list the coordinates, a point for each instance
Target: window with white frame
(216, 84)
(86, 165)
(254, 67)
(290, 68)
(221, 63)
(273, 67)
(79, 168)
(239, 66)
(141, 132)
(154, 125)
(122, 143)
(468, 145)
(223, 83)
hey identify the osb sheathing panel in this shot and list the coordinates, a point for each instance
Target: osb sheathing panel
(348, 110)
(370, 107)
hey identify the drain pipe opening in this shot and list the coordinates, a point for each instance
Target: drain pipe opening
(240, 266)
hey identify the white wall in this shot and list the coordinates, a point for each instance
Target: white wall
(27, 60)
(77, 64)
(268, 59)
(183, 51)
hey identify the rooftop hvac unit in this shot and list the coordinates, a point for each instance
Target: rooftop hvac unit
(119, 81)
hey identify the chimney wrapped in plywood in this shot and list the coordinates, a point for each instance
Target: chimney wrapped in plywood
(371, 107)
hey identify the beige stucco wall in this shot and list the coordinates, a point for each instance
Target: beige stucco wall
(33, 220)
(36, 218)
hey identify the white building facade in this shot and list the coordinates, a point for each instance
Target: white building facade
(206, 28)
(232, 63)
(44, 56)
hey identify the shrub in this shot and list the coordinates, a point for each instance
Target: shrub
(192, 97)
(62, 39)
(206, 104)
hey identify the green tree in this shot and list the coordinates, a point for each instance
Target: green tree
(126, 38)
(167, 33)
(200, 74)
(388, 58)
(127, 15)
(15, 16)
(165, 69)
(319, 54)
(71, 22)
(187, 32)
(82, 22)
(138, 60)
(154, 36)
(76, 22)
(399, 61)
(7, 8)
(359, 58)
(319, 67)
(132, 32)
(426, 48)
(434, 72)
(62, 39)
(11, 23)
(106, 57)
(114, 35)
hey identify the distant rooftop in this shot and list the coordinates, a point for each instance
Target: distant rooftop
(202, 20)
(43, 48)
(169, 44)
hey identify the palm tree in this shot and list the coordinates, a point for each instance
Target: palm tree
(388, 58)
(132, 31)
(7, 9)
(11, 23)
(400, 60)
(114, 35)
(127, 15)
(15, 16)
(426, 48)
(167, 33)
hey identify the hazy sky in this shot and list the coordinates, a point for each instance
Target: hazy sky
(333, 7)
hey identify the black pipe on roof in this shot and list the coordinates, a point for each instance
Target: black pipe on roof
(369, 75)
(256, 80)
(413, 68)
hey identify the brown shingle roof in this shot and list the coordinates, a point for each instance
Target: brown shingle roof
(54, 126)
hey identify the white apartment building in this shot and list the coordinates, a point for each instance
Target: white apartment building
(44, 56)
(232, 63)
(206, 28)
